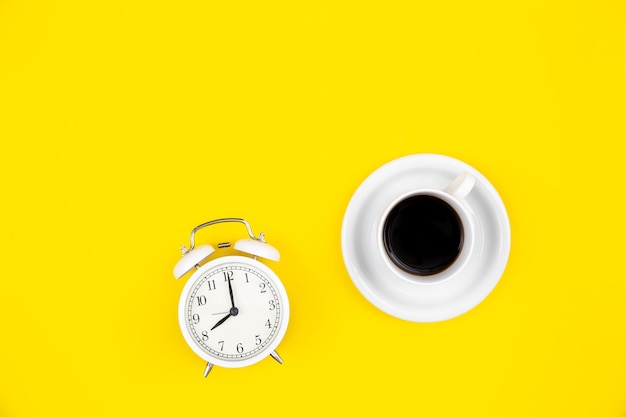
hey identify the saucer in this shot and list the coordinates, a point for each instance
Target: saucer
(415, 301)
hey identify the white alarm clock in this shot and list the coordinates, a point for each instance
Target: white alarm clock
(233, 310)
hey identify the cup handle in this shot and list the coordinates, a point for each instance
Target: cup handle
(461, 186)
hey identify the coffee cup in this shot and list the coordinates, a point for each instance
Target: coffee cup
(427, 235)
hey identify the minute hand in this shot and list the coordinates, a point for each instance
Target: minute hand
(232, 297)
(233, 310)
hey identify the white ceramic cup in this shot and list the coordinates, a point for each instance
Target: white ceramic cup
(454, 195)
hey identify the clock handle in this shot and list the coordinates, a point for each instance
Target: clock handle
(260, 238)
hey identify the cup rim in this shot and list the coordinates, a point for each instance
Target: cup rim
(467, 223)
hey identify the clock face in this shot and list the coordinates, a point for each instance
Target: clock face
(233, 311)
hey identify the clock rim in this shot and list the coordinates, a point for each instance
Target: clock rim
(190, 340)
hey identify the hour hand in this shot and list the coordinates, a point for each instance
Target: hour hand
(222, 320)
(233, 312)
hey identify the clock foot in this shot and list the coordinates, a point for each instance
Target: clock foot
(208, 368)
(276, 356)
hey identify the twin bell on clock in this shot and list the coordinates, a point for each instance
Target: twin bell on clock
(233, 310)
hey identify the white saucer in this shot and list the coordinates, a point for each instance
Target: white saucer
(411, 300)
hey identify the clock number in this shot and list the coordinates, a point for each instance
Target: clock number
(201, 300)
(268, 324)
(257, 339)
(247, 280)
(195, 318)
(221, 343)
(211, 284)
(205, 335)
(239, 348)
(262, 287)
(228, 275)
(272, 305)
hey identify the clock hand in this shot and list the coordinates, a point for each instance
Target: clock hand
(222, 320)
(232, 297)
(233, 310)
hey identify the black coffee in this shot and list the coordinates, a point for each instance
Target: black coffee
(423, 235)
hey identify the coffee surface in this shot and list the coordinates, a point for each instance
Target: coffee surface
(423, 235)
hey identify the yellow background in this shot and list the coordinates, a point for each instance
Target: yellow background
(123, 124)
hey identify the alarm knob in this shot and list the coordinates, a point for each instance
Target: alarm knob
(191, 259)
(258, 248)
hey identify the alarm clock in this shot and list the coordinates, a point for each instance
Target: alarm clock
(233, 310)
